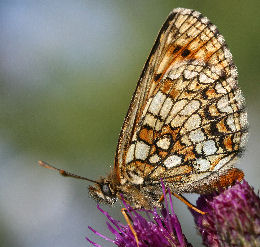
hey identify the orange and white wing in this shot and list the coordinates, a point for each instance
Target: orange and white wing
(186, 120)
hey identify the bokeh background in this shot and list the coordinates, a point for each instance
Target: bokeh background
(68, 70)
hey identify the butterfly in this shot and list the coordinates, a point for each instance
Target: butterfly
(186, 123)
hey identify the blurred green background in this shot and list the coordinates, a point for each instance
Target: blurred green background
(68, 70)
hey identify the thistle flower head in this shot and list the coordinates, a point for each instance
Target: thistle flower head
(232, 219)
(154, 230)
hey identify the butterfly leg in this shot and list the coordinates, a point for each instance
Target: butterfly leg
(127, 218)
(184, 200)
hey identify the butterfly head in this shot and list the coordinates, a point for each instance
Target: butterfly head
(103, 192)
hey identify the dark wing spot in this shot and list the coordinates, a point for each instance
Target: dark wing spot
(223, 75)
(157, 76)
(214, 130)
(185, 53)
(177, 48)
(204, 93)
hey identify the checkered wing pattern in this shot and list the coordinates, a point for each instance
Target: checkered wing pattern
(186, 120)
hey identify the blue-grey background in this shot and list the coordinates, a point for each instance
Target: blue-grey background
(67, 73)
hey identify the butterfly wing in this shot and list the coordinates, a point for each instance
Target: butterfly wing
(186, 121)
(145, 87)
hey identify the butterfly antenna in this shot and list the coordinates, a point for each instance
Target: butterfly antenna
(64, 173)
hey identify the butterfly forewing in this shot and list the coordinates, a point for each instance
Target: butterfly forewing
(186, 121)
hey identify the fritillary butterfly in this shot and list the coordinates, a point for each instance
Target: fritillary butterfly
(186, 123)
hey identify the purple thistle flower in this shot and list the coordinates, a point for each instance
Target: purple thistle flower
(155, 230)
(232, 219)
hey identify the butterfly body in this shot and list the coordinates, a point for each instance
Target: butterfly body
(186, 123)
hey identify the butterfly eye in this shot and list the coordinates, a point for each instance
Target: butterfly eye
(106, 190)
